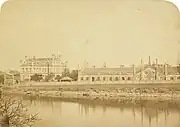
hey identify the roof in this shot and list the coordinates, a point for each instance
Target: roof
(160, 69)
(172, 70)
(14, 72)
(114, 71)
(107, 71)
(40, 62)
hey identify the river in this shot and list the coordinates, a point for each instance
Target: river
(67, 114)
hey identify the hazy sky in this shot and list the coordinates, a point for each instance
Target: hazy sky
(112, 31)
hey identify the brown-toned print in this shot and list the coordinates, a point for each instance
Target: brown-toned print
(89, 63)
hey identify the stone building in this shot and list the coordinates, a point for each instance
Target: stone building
(106, 74)
(144, 72)
(44, 66)
(158, 72)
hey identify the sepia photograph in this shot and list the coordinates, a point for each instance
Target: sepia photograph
(90, 63)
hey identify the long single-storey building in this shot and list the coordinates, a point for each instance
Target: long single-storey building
(146, 72)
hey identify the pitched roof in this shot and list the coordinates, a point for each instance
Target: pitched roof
(160, 69)
(107, 71)
(14, 72)
(172, 70)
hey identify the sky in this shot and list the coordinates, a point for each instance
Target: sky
(112, 31)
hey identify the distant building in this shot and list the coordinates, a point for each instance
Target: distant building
(145, 72)
(10, 77)
(44, 66)
(106, 74)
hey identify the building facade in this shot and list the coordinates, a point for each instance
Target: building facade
(106, 74)
(44, 66)
(144, 72)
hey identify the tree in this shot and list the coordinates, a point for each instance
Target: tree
(1, 79)
(36, 77)
(49, 77)
(58, 78)
(16, 112)
(66, 72)
(74, 74)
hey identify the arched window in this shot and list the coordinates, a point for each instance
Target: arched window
(93, 79)
(110, 78)
(123, 78)
(82, 78)
(87, 78)
(104, 78)
(98, 78)
(117, 78)
(172, 78)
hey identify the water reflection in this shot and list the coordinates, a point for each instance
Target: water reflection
(83, 114)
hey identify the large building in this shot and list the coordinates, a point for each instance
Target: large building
(44, 66)
(144, 72)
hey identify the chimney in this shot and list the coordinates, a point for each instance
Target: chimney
(156, 61)
(142, 64)
(149, 63)
(165, 69)
(134, 70)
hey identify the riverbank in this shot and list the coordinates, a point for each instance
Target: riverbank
(103, 94)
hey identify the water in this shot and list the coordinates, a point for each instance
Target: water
(66, 114)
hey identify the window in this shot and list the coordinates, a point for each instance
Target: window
(164, 78)
(104, 78)
(123, 78)
(178, 77)
(110, 78)
(116, 78)
(172, 78)
(98, 78)
(93, 79)
(129, 78)
(87, 78)
(82, 78)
